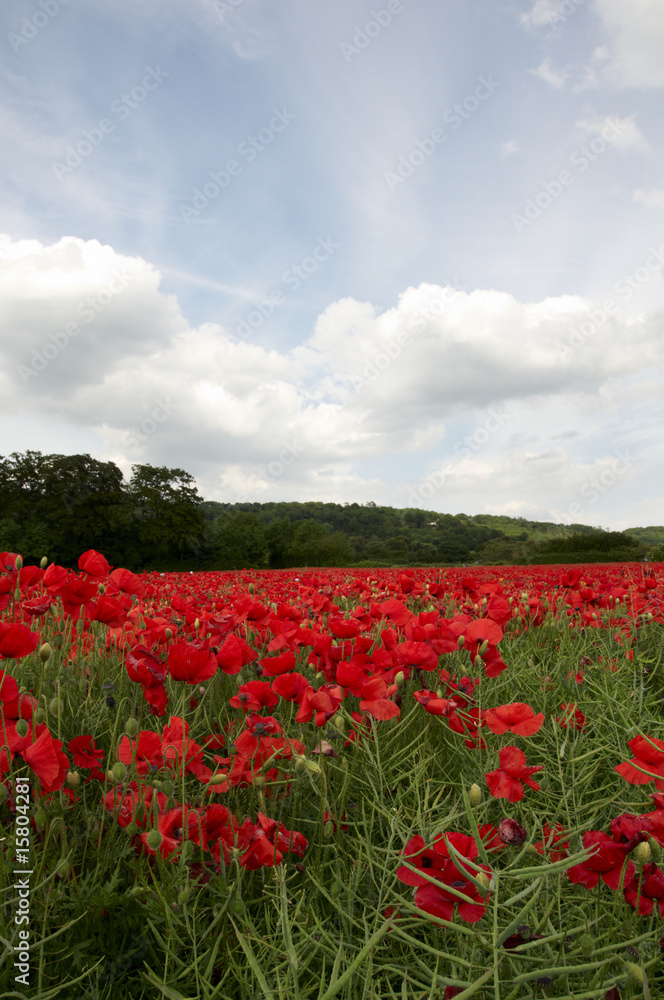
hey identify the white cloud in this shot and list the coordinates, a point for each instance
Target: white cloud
(626, 134)
(546, 72)
(508, 148)
(636, 35)
(651, 199)
(365, 385)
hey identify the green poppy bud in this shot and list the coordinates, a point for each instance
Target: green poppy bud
(21, 728)
(119, 771)
(73, 779)
(45, 652)
(475, 795)
(154, 839)
(131, 727)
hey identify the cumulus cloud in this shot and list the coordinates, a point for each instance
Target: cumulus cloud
(626, 133)
(88, 340)
(636, 38)
(555, 77)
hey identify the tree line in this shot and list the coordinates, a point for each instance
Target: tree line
(61, 505)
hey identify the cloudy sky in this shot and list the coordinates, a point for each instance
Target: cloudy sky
(408, 251)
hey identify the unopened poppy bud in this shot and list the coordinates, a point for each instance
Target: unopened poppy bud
(40, 820)
(131, 727)
(110, 776)
(483, 879)
(338, 722)
(119, 771)
(475, 795)
(183, 897)
(320, 676)
(43, 562)
(154, 839)
(635, 972)
(168, 632)
(251, 589)
(55, 706)
(168, 787)
(237, 907)
(399, 678)
(73, 779)
(218, 779)
(328, 829)
(643, 853)
(39, 716)
(18, 562)
(300, 762)
(259, 781)
(21, 728)
(478, 661)
(655, 850)
(587, 945)
(101, 587)
(45, 652)
(460, 642)
(483, 648)
(132, 829)
(197, 624)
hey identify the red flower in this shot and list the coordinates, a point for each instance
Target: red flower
(94, 564)
(518, 718)
(127, 582)
(573, 717)
(86, 754)
(233, 654)
(47, 760)
(647, 763)
(275, 665)
(608, 862)
(648, 888)
(554, 843)
(109, 611)
(505, 783)
(16, 641)
(253, 696)
(375, 695)
(189, 663)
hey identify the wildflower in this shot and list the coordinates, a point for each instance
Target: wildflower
(506, 782)
(518, 718)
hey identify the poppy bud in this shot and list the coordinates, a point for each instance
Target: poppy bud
(18, 562)
(338, 722)
(259, 781)
(55, 707)
(328, 829)
(217, 779)
(251, 589)
(21, 728)
(44, 562)
(460, 642)
(110, 776)
(182, 897)
(483, 648)
(587, 945)
(197, 624)
(475, 795)
(131, 727)
(399, 678)
(168, 632)
(101, 588)
(73, 779)
(39, 716)
(45, 652)
(643, 853)
(483, 879)
(478, 661)
(132, 829)
(237, 907)
(154, 839)
(119, 771)
(635, 972)
(655, 850)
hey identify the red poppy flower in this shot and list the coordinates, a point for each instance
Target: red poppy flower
(292, 686)
(375, 695)
(275, 665)
(233, 654)
(47, 760)
(109, 611)
(37, 606)
(86, 754)
(554, 843)
(647, 763)
(646, 887)
(94, 564)
(518, 718)
(608, 862)
(506, 782)
(17, 640)
(573, 717)
(127, 582)
(253, 696)
(189, 663)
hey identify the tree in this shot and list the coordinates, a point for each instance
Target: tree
(167, 509)
(238, 540)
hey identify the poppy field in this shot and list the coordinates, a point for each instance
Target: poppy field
(315, 784)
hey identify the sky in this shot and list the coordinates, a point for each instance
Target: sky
(400, 251)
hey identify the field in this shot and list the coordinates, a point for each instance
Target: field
(318, 784)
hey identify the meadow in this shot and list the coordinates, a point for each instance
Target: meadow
(315, 784)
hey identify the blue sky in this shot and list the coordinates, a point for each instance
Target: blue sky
(406, 251)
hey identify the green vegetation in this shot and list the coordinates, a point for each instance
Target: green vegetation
(60, 505)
